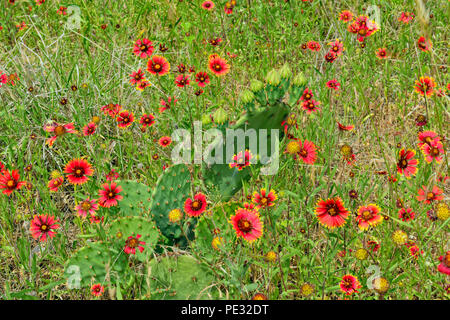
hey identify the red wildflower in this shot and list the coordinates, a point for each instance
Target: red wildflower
(111, 109)
(406, 164)
(337, 47)
(406, 17)
(263, 199)
(311, 106)
(182, 80)
(125, 119)
(349, 284)
(55, 183)
(132, 243)
(9, 181)
(433, 151)
(62, 11)
(202, 79)
(218, 65)
(147, 120)
(406, 214)
(143, 48)
(229, 7)
(424, 44)
(444, 267)
(58, 130)
(78, 171)
(158, 65)
(137, 77)
(109, 195)
(97, 290)
(333, 84)
(165, 141)
(331, 213)
(428, 196)
(241, 161)
(215, 42)
(247, 224)
(87, 206)
(167, 104)
(346, 16)
(42, 227)
(313, 45)
(381, 53)
(369, 216)
(196, 207)
(426, 137)
(89, 129)
(112, 175)
(345, 128)
(208, 5)
(425, 86)
(330, 56)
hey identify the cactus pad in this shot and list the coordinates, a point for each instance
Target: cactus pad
(136, 198)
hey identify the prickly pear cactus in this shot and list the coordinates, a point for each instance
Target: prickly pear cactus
(213, 232)
(226, 181)
(136, 198)
(122, 228)
(171, 191)
(91, 264)
(181, 278)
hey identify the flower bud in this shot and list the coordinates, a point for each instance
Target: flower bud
(273, 77)
(247, 96)
(256, 85)
(299, 80)
(285, 71)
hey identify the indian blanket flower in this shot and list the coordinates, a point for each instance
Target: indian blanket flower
(333, 84)
(444, 266)
(182, 80)
(87, 206)
(428, 196)
(9, 181)
(349, 284)
(89, 129)
(208, 5)
(165, 141)
(424, 44)
(381, 53)
(406, 214)
(331, 213)
(229, 7)
(147, 120)
(346, 16)
(406, 17)
(307, 152)
(137, 77)
(62, 11)
(58, 130)
(42, 227)
(158, 65)
(307, 95)
(433, 151)
(342, 127)
(125, 119)
(3, 79)
(311, 106)
(425, 86)
(406, 164)
(167, 104)
(241, 161)
(132, 243)
(112, 175)
(143, 48)
(369, 216)
(109, 195)
(426, 137)
(97, 290)
(247, 224)
(78, 171)
(218, 65)
(313, 46)
(142, 85)
(111, 109)
(263, 199)
(54, 184)
(215, 42)
(337, 47)
(330, 56)
(202, 79)
(195, 207)
(363, 27)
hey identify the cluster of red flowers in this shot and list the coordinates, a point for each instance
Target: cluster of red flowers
(308, 103)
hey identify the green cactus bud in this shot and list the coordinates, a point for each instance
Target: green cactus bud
(247, 96)
(299, 80)
(285, 71)
(273, 77)
(206, 119)
(256, 85)
(220, 116)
